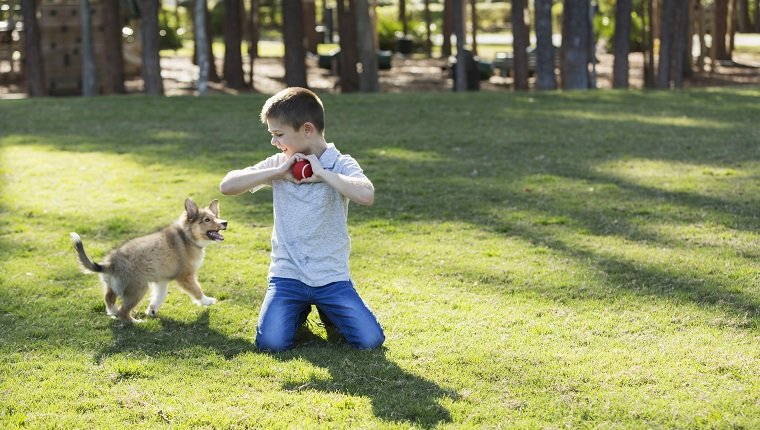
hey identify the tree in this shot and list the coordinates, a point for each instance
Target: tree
(402, 17)
(368, 81)
(113, 73)
(545, 77)
(253, 37)
(622, 43)
(33, 65)
(89, 83)
(233, 37)
(474, 22)
(428, 24)
(349, 55)
(201, 45)
(681, 62)
(575, 44)
(151, 64)
(460, 71)
(448, 27)
(310, 25)
(667, 22)
(295, 61)
(720, 29)
(520, 45)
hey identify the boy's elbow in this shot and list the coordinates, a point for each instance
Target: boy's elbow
(368, 199)
(226, 189)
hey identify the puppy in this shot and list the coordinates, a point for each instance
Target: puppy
(174, 253)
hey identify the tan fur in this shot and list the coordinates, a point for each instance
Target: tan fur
(174, 253)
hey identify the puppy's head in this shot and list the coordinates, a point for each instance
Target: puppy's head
(203, 224)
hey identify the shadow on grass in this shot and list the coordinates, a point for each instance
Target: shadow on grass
(173, 337)
(397, 395)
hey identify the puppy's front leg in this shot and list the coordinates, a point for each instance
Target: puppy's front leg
(191, 286)
(158, 295)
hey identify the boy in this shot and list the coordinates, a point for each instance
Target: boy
(310, 242)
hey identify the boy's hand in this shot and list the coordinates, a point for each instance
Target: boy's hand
(285, 169)
(316, 169)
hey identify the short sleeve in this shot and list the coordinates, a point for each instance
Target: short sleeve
(348, 166)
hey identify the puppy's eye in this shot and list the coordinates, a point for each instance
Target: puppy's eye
(206, 219)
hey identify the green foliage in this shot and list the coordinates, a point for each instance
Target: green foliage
(539, 260)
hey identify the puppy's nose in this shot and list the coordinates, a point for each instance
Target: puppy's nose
(224, 224)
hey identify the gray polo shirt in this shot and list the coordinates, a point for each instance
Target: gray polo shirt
(310, 239)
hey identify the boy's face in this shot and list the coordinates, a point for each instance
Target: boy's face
(286, 138)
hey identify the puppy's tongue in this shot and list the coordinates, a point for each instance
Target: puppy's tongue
(215, 235)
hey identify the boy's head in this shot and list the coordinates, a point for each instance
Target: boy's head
(295, 107)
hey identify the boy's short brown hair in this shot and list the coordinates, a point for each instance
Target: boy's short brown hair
(295, 106)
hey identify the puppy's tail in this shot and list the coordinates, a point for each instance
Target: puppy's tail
(83, 258)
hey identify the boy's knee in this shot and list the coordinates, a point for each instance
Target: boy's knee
(370, 341)
(266, 342)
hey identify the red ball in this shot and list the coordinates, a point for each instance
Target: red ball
(302, 169)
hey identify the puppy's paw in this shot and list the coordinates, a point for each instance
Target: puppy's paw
(208, 301)
(152, 311)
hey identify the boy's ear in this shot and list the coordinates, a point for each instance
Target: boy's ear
(308, 128)
(192, 209)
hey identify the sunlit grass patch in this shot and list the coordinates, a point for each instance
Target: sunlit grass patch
(581, 259)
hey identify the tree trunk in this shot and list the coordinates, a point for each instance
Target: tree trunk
(151, 60)
(114, 57)
(33, 64)
(460, 74)
(89, 81)
(349, 56)
(201, 44)
(310, 25)
(233, 37)
(731, 28)
(649, 81)
(667, 22)
(253, 38)
(428, 24)
(474, 22)
(402, 16)
(745, 25)
(521, 40)
(622, 43)
(368, 81)
(681, 33)
(719, 30)
(757, 16)
(295, 61)
(575, 43)
(447, 28)
(545, 77)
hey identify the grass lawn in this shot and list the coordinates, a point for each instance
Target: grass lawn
(542, 260)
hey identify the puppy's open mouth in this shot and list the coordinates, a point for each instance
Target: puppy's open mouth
(215, 235)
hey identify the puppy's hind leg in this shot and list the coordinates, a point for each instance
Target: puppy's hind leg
(191, 286)
(158, 295)
(133, 293)
(110, 299)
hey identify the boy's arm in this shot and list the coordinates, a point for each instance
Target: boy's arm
(239, 181)
(359, 190)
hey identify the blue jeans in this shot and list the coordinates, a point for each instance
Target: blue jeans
(288, 301)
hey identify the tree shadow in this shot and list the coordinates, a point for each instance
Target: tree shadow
(397, 395)
(173, 336)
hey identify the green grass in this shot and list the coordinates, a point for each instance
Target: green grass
(538, 260)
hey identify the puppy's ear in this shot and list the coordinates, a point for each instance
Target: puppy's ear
(192, 209)
(214, 207)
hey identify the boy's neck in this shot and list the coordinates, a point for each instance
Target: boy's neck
(318, 146)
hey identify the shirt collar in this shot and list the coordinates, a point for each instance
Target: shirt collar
(329, 157)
